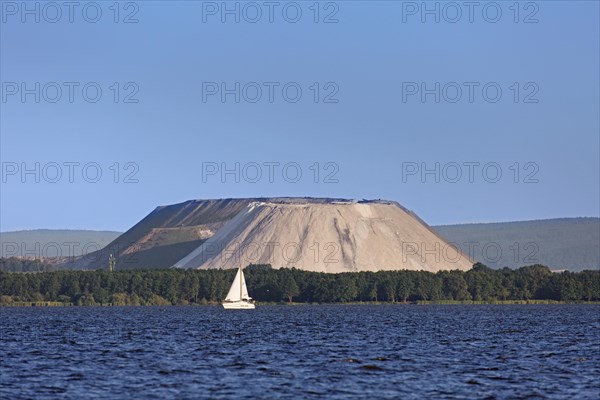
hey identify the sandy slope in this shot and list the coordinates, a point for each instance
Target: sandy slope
(163, 236)
(338, 236)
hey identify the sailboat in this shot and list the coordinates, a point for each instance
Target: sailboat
(238, 297)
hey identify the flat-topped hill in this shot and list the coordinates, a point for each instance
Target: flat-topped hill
(317, 234)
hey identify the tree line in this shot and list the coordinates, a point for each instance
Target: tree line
(177, 286)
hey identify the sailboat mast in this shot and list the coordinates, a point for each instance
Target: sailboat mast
(241, 279)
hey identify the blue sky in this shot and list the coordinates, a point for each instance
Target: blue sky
(367, 131)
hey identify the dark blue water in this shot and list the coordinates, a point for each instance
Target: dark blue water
(444, 351)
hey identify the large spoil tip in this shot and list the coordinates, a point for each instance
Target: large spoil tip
(326, 235)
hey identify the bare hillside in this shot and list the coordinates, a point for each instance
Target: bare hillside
(326, 236)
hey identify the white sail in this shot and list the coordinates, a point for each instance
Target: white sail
(238, 296)
(245, 295)
(234, 293)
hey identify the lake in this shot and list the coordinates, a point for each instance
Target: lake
(332, 351)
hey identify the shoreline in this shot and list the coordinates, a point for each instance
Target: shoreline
(47, 304)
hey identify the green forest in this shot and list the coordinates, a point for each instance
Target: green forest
(265, 284)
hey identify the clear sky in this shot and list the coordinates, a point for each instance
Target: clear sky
(373, 125)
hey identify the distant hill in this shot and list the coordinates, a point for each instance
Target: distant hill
(565, 243)
(325, 235)
(53, 242)
(322, 234)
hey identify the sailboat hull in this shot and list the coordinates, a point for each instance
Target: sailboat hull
(238, 305)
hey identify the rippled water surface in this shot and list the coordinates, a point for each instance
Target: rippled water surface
(445, 351)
